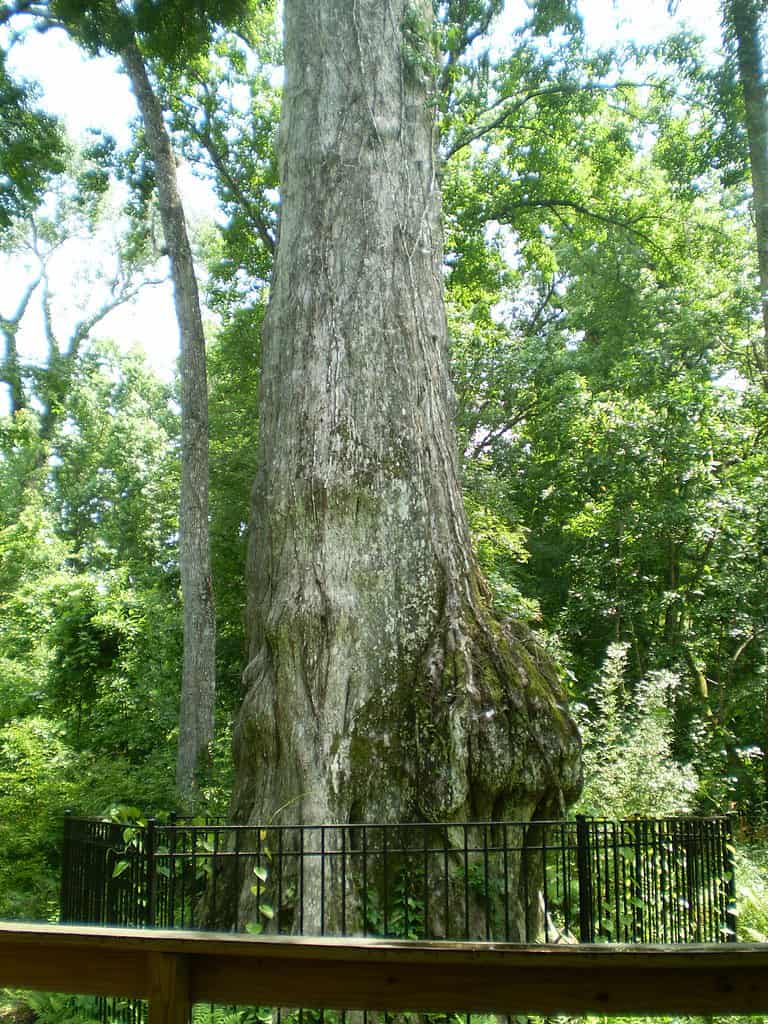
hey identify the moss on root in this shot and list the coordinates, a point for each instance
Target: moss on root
(481, 731)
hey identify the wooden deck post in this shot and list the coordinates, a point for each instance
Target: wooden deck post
(169, 989)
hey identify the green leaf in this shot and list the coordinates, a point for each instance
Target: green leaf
(120, 867)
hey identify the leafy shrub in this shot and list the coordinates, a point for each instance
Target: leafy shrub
(628, 763)
(35, 785)
(60, 1007)
(752, 891)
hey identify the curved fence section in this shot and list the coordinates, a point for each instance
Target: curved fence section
(590, 880)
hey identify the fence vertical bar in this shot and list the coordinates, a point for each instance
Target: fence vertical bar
(466, 882)
(731, 915)
(425, 888)
(364, 855)
(322, 879)
(711, 893)
(149, 867)
(447, 900)
(505, 861)
(343, 881)
(170, 921)
(525, 839)
(566, 894)
(65, 912)
(584, 870)
(301, 880)
(486, 887)
(544, 892)
(385, 887)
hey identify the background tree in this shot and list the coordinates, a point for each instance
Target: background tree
(741, 25)
(120, 30)
(198, 677)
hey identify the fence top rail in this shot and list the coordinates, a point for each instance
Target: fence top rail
(188, 823)
(181, 968)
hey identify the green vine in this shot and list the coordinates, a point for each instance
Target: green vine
(421, 44)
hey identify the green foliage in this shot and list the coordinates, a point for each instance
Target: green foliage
(225, 112)
(402, 915)
(589, 371)
(629, 767)
(204, 1013)
(752, 890)
(421, 40)
(264, 909)
(500, 551)
(174, 32)
(22, 456)
(30, 557)
(113, 647)
(549, 15)
(233, 363)
(116, 469)
(61, 1008)
(36, 782)
(32, 149)
(89, 627)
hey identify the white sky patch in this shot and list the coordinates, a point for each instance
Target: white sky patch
(86, 92)
(732, 381)
(610, 22)
(92, 93)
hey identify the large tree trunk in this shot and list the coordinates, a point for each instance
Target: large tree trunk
(380, 685)
(742, 19)
(198, 683)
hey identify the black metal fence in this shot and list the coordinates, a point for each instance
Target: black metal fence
(665, 880)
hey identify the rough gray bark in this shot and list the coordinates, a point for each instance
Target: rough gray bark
(380, 687)
(742, 20)
(198, 684)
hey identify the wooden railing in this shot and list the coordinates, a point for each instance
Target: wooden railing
(174, 969)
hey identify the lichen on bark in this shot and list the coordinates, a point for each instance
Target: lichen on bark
(380, 685)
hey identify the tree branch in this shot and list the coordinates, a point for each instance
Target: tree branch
(50, 337)
(493, 435)
(515, 107)
(84, 327)
(248, 207)
(12, 322)
(571, 204)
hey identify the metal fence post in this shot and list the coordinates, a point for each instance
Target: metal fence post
(65, 911)
(584, 868)
(151, 878)
(732, 911)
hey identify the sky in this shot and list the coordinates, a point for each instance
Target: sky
(91, 93)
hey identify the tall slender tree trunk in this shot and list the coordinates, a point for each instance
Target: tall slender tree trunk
(380, 685)
(742, 19)
(198, 685)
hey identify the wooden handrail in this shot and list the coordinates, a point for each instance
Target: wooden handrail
(174, 969)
